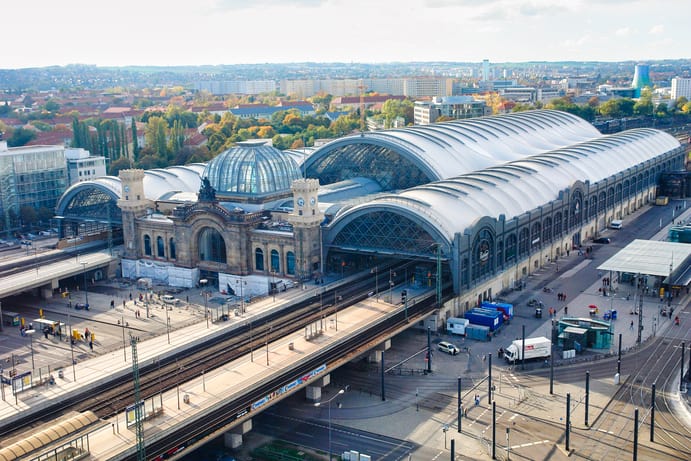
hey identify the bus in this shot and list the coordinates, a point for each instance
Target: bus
(10, 318)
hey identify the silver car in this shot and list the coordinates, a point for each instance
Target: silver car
(448, 348)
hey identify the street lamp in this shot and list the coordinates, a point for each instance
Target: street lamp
(391, 285)
(240, 283)
(203, 283)
(86, 293)
(273, 283)
(30, 333)
(69, 334)
(375, 271)
(341, 391)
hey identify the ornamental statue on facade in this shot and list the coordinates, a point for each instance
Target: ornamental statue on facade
(206, 191)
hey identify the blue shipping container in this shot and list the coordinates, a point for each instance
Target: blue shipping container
(506, 308)
(486, 317)
(479, 332)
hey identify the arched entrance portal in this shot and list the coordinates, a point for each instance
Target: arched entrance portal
(212, 247)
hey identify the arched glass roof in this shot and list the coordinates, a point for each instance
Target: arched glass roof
(252, 168)
(454, 204)
(159, 184)
(408, 157)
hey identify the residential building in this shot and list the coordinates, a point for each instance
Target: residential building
(34, 176)
(82, 166)
(421, 87)
(681, 87)
(455, 107)
(236, 86)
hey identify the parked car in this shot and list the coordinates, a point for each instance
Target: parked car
(448, 348)
(169, 299)
(602, 240)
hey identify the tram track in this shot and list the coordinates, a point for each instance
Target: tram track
(158, 376)
(611, 434)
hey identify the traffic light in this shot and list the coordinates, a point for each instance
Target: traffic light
(404, 296)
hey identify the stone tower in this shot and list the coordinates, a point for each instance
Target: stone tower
(133, 204)
(306, 219)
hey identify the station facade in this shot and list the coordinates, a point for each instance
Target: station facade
(482, 203)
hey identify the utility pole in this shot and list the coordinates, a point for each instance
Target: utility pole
(139, 407)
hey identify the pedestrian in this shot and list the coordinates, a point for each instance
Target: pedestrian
(91, 345)
(477, 399)
(631, 326)
(187, 298)
(130, 296)
(123, 303)
(112, 304)
(566, 310)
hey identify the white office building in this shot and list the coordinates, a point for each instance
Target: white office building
(681, 87)
(82, 166)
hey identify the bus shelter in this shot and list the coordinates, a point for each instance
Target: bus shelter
(580, 333)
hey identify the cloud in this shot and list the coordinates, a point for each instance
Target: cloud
(657, 29)
(254, 4)
(623, 32)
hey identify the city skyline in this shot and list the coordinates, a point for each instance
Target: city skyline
(212, 32)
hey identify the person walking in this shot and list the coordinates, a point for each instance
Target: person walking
(631, 326)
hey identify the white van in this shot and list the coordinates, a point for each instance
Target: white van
(616, 224)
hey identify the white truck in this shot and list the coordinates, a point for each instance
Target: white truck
(535, 348)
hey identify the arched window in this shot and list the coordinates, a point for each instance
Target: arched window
(500, 253)
(535, 232)
(523, 242)
(212, 247)
(511, 248)
(259, 259)
(626, 189)
(147, 245)
(593, 206)
(557, 225)
(483, 255)
(547, 230)
(160, 247)
(618, 193)
(576, 209)
(290, 263)
(171, 245)
(275, 261)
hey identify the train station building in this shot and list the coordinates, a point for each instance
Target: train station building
(476, 204)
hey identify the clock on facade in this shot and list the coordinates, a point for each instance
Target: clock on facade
(313, 201)
(301, 201)
(127, 188)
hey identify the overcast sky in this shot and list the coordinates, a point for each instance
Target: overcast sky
(191, 32)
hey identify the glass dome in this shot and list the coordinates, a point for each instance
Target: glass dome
(252, 168)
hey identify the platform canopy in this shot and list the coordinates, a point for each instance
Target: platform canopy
(649, 257)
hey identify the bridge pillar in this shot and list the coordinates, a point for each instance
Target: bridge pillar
(233, 438)
(313, 392)
(48, 289)
(375, 354)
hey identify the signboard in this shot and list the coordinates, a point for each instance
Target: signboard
(131, 413)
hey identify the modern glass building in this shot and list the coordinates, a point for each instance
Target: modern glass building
(34, 176)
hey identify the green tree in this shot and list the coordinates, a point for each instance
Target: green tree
(20, 137)
(28, 215)
(45, 214)
(679, 103)
(115, 166)
(156, 135)
(395, 108)
(52, 106)
(135, 140)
